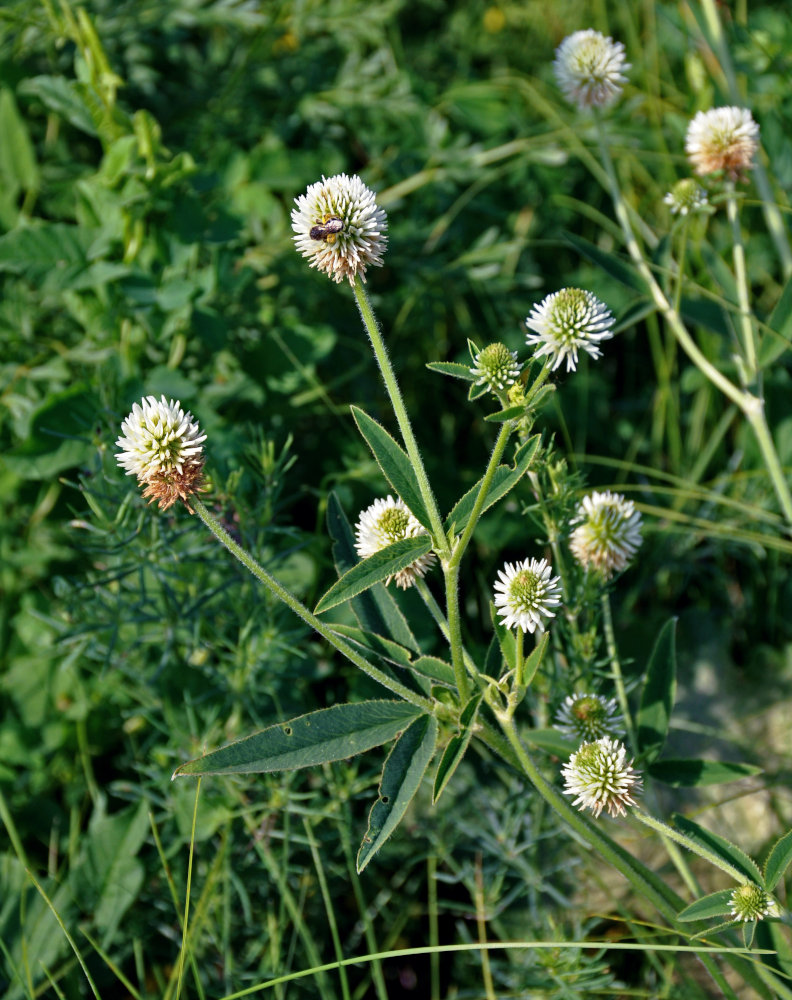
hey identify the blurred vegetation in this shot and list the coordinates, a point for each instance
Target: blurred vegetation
(150, 152)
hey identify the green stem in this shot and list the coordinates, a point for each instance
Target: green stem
(400, 411)
(301, 611)
(451, 573)
(750, 405)
(741, 278)
(616, 670)
(481, 498)
(683, 242)
(439, 619)
(668, 831)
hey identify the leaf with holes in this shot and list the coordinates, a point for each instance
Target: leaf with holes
(316, 738)
(401, 778)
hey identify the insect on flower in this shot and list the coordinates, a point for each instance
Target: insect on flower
(323, 231)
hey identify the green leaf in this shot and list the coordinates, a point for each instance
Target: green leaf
(714, 905)
(719, 847)
(780, 322)
(18, 166)
(609, 262)
(375, 609)
(60, 435)
(435, 669)
(316, 738)
(552, 741)
(505, 638)
(657, 697)
(378, 567)
(48, 253)
(451, 368)
(375, 645)
(705, 313)
(401, 778)
(457, 747)
(680, 773)
(395, 464)
(505, 479)
(531, 663)
(778, 861)
(477, 391)
(510, 413)
(64, 98)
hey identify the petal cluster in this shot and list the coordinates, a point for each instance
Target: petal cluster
(162, 445)
(385, 522)
(339, 227)
(588, 68)
(600, 777)
(567, 322)
(589, 717)
(722, 139)
(496, 367)
(524, 594)
(751, 902)
(608, 532)
(685, 197)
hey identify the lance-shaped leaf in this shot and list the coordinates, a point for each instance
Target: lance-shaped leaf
(531, 663)
(778, 861)
(552, 741)
(395, 464)
(436, 670)
(316, 738)
(609, 262)
(681, 773)
(453, 369)
(374, 646)
(505, 479)
(378, 567)
(713, 844)
(505, 638)
(657, 697)
(714, 905)
(375, 609)
(510, 413)
(401, 779)
(457, 747)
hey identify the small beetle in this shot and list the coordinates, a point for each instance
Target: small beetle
(328, 228)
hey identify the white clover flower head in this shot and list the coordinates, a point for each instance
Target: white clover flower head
(163, 446)
(524, 594)
(751, 902)
(340, 228)
(385, 522)
(496, 366)
(722, 139)
(567, 322)
(600, 777)
(608, 532)
(588, 69)
(686, 197)
(589, 717)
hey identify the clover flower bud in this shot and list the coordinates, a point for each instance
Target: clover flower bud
(524, 594)
(601, 778)
(566, 322)
(588, 69)
(340, 228)
(497, 367)
(686, 196)
(751, 902)
(385, 522)
(722, 139)
(163, 446)
(589, 717)
(608, 532)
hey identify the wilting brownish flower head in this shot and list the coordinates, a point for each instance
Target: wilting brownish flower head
(722, 139)
(162, 446)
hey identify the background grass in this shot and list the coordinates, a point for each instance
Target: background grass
(150, 155)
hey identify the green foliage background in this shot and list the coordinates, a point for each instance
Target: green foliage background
(150, 153)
